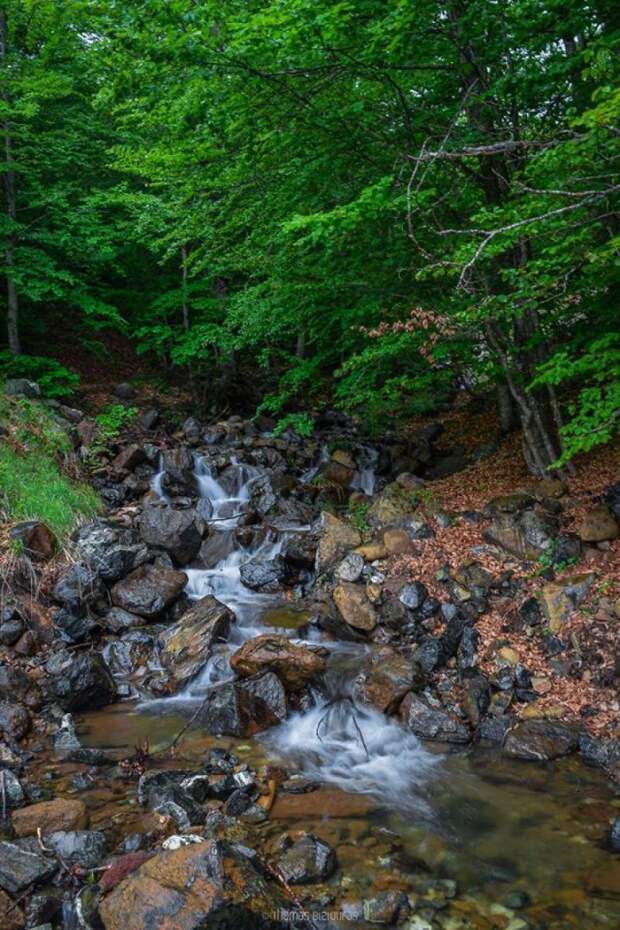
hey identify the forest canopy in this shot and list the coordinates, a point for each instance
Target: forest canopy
(372, 202)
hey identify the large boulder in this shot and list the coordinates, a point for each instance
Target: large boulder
(83, 682)
(337, 538)
(430, 722)
(295, 665)
(148, 591)
(245, 707)
(187, 644)
(541, 740)
(110, 551)
(205, 885)
(354, 607)
(173, 530)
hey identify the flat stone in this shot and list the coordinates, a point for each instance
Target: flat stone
(541, 740)
(50, 816)
(325, 802)
(20, 868)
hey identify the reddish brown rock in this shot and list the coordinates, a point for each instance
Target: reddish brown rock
(203, 885)
(11, 915)
(59, 814)
(36, 539)
(294, 665)
(354, 607)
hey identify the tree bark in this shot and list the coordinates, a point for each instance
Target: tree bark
(185, 311)
(10, 200)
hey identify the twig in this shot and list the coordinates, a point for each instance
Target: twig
(329, 707)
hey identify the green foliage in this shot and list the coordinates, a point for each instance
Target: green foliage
(300, 423)
(53, 378)
(358, 514)
(33, 484)
(112, 420)
(274, 186)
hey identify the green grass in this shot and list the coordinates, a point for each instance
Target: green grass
(33, 485)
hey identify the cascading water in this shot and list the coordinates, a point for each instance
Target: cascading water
(336, 741)
(365, 477)
(157, 481)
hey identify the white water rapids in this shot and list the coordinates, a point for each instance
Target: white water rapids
(337, 742)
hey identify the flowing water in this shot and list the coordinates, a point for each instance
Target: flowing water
(491, 824)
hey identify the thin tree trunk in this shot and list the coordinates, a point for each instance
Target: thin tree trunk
(300, 349)
(11, 212)
(505, 407)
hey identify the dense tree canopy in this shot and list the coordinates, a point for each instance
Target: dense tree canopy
(384, 200)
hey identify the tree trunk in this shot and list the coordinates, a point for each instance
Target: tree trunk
(185, 312)
(505, 408)
(11, 212)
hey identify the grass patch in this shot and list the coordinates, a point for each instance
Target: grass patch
(35, 458)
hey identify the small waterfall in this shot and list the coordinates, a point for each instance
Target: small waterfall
(354, 746)
(226, 508)
(157, 481)
(365, 478)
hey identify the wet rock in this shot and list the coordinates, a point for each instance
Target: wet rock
(186, 646)
(268, 575)
(614, 836)
(567, 550)
(598, 525)
(541, 740)
(14, 720)
(354, 607)
(10, 790)
(299, 550)
(266, 702)
(74, 626)
(223, 714)
(295, 665)
(78, 586)
(35, 539)
(50, 816)
(112, 553)
(307, 860)
(385, 680)
(178, 471)
(162, 792)
(116, 620)
(429, 654)
(83, 682)
(20, 868)
(148, 591)
(531, 612)
(195, 887)
(263, 497)
(78, 847)
(17, 685)
(430, 722)
(337, 538)
(171, 529)
(41, 908)
(388, 907)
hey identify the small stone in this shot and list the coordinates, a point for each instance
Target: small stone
(308, 860)
(413, 595)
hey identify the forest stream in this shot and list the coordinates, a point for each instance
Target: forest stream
(393, 829)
